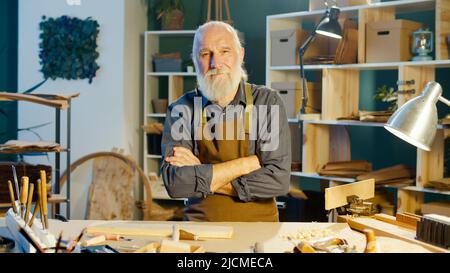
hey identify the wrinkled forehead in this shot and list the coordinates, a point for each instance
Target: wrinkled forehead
(216, 37)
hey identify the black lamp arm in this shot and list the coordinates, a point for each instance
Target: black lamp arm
(301, 52)
(302, 76)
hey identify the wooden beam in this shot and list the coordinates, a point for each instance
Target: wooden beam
(442, 29)
(409, 201)
(430, 165)
(339, 144)
(340, 93)
(421, 76)
(175, 88)
(60, 103)
(315, 152)
(336, 197)
(393, 220)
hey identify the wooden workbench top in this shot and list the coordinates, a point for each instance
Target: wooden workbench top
(273, 236)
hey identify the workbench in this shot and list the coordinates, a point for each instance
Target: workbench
(245, 235)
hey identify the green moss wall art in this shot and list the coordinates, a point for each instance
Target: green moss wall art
(68, 48)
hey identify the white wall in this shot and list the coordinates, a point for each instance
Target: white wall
(106, 114)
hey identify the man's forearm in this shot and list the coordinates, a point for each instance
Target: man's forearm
(225, 172)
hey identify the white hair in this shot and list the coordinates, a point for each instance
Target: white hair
(199, 34)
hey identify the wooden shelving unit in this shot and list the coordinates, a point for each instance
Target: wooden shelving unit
(151, 162)
(59, 103)
(326, 139)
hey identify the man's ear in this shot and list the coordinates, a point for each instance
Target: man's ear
(242, 54)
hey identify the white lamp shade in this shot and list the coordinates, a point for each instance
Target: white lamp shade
(416, 121)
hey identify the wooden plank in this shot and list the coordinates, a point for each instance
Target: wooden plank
(168, 246)
(175, 88)
(61, 103)
(340, 93)
(442, 29)
(385, 229)
(409, 201)
(421, 76)
(129, 229)
(68, 96)
(430, 165)
(112, 184)
(339, 144)
(315, 152)
(337, 196)
(393, 220)
(367, 16)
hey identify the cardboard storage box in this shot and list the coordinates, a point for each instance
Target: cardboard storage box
(389, 41)
(291, 94)
(285, 45)
(320, 4)
(167, 65)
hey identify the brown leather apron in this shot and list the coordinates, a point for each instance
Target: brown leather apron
(224, 208)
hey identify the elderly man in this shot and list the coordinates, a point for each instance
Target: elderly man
(237, 177)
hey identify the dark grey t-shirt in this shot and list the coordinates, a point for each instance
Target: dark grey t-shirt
(271, 180)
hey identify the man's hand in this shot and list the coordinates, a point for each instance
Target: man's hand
(182, 157)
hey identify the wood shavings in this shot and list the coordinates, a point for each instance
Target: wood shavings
(308, 234)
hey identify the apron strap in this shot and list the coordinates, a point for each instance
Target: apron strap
(248, 109)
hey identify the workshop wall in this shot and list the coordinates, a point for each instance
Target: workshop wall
(106, 114)
(8, 71)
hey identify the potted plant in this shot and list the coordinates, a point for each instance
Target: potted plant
(170, 13)
(387, 95)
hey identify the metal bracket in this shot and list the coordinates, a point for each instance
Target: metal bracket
(358, 206)
(409, 91)
(406, 82)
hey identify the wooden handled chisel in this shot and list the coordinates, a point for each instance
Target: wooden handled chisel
(23, 195)
(29, 200)
(44, 207)
(37, 207)
(16, 183)
(11, 195)
(39, 187)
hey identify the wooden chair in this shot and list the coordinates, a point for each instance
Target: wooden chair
(111, 192)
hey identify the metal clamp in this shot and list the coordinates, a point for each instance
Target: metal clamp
(406, 82)
(409, 91)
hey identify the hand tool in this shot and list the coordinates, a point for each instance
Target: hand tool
(44, 197)
(23, 195)
(94, 241)
(37, 207)
(29, 200)
(39, 183)
(75, 242)
(58, 243)
(11, 195)
(16, 183)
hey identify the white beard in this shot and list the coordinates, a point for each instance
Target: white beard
(218, 87)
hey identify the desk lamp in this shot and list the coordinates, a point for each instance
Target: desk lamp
(327, 26)
(416, 121)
